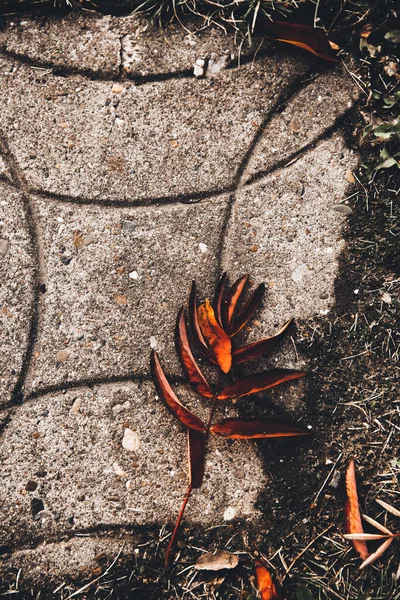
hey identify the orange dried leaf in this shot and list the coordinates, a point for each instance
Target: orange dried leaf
(233, 297)
(167, 394)
(243, 429)
(259, 348)
(194, 324)
(195, 376)
(218, 302)
(259, 382)
(265, 585)
(304, 36)
(352, 511)
(247, 311)
(217, 339)
(196, 452)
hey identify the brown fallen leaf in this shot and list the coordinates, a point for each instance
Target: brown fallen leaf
(215, 562)
(217, 340)
(375, 555)
(304, 36)
(194, 375)
(388, 507)
(194, 324)
(219, 298)
(259, 348)
(167, 394)
(244, 429)
(247, 311)
(196, 452)
(259, 382)
(352, 511)
(265, 585)
(233, 298)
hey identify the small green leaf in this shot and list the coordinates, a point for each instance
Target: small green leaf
(387, 130)
(389, 101)
(367, 130)
(384, 154)
(390, 162)
(393, 36)
(303, 593)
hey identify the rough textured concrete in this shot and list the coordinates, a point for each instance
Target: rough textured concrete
(108, 47)
(16, 284)
(103, 144)
(69, 447)
(115, 279)
(123, 177)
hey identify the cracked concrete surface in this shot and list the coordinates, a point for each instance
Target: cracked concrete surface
(122, 177)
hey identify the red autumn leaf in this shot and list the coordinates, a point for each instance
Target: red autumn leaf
(259, 348)
(352, 511)
(259, 382)
(196, 452)
(167, 394)
(194, 324)
(218, 301)
(247, 311)
(195, 376)
(265, 584)
(233, 297)
(304, 36)
(245, 429)
(216, 338)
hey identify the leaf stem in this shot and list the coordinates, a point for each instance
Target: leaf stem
(188, 492)
(175, 531)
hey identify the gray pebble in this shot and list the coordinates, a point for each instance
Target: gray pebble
(89, 239)
(4, 245)
(342, 209)
(128, 226)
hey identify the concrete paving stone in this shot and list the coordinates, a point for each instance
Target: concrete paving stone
(77, 137)
(285, 232)
(116, 47)
(66, 472)
(310, 112)
(110, 289)
(16, 285)
(88, 45)
(77, 558)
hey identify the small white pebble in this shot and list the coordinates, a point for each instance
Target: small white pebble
(76, 407)
(131, 440)
(134, 275)
(203, 247)
(309, 426)
(356, 292)
(153, 345)
(387, 298)
(229, 514)
(118, 470)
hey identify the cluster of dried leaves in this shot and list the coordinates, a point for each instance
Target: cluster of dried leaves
(213, 327)
(354, 527)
